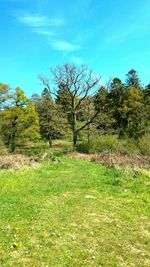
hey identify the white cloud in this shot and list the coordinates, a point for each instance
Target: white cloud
(64, 46)
(50, 27)
(40, 21)
(41, 24)
(43, 32)
(34, 21)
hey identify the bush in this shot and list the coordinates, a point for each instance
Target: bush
(3, 149)
(144, 145)
(127, 147)
(111, 144)
(104, 143)
(99, 144)
(83, 147)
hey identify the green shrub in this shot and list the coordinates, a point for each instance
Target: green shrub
(127, 147)
(111, 144)
(3, 149)
(83, 147)
(104, 143)
(144, 145)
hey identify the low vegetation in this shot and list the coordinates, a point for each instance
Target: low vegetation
(113, 144)
(74, 213)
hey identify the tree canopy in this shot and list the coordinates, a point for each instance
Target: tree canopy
(74, 101)
(19, 120)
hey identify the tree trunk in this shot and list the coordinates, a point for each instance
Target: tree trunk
(50, 141)
(13, 147)
(88, 133)
(75, 138)
(12, 144)
(88, 127)
(13, 141)
(74, 122)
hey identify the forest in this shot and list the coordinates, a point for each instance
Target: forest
(74, 105)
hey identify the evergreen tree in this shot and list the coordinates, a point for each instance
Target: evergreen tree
(132, 79)
(133, 113)
(104, 120)
(146, 93)
(53, 122)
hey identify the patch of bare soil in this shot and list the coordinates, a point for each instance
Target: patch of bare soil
(115, 160)
(17, 161)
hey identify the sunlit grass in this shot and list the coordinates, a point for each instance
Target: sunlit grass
(74, 213)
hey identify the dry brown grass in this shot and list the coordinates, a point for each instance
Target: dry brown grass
(16, 161)
(114, 160)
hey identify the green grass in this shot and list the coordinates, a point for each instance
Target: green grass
(74, 213)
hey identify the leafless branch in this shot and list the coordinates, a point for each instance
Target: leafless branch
(88, 122)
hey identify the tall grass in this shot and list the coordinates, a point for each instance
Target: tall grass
(3, 149)
(144, 145)
(112, 144)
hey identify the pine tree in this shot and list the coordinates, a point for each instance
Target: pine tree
(133, 113)
(53, 122)
(132, 79)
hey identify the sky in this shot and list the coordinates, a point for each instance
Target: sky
(109, 36)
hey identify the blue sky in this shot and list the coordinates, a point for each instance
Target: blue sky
(110, 36)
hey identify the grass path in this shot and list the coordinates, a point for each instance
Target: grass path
(74, 213)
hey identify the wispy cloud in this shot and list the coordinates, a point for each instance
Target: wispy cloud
(64, 46)
(41, 24)
(34, 21)
(40, 21)
(44, 32)
(50, 27)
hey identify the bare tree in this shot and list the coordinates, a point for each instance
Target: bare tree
(77, 82)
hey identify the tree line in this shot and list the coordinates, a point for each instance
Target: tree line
(74, 103)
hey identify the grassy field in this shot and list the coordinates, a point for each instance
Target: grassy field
(74, 213)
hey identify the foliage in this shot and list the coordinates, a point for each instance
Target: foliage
(19, 121)
(53, 122)
(132, 79)
(113, 144)
(84, 147)
(103, 143)
(128, 106)
(133, 113)
(127, 146)
(74, 103)
(3, 149)
(4, 94)
(144, 145)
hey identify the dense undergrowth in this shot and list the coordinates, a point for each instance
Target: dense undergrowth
(112, 144)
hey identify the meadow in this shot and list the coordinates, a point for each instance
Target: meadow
(74, 213)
